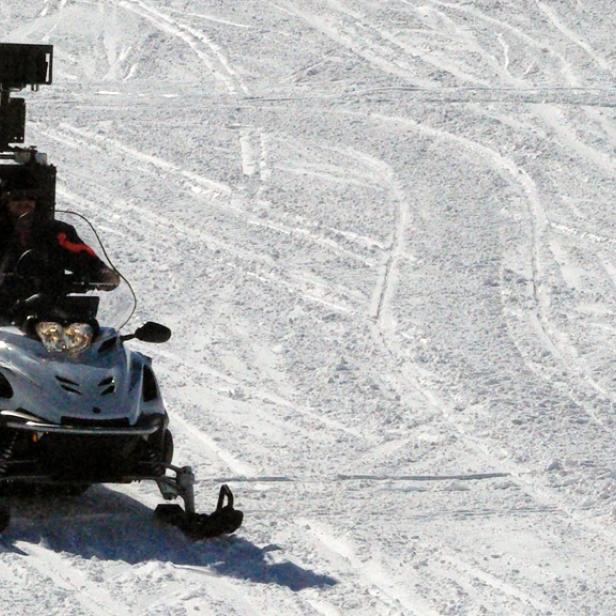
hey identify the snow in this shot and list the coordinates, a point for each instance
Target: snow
(383, 236)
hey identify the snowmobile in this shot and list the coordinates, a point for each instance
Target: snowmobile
(77, 406)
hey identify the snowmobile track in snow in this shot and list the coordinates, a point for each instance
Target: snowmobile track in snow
(207, 51)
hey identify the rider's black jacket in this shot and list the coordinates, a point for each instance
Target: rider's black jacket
(58, 249)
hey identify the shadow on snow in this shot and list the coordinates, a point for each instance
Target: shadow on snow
(109, 525)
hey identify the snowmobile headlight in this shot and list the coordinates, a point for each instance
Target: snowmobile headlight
(75, 338)
(51, 335)
(78, 337)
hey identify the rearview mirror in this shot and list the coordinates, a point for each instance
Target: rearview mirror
(151, 332)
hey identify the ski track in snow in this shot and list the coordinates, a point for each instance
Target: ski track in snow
(350, 204)
(370, 573)
(197, 40)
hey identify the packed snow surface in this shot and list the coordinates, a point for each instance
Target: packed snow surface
(383, 235)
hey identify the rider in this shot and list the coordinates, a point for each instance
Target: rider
(56, 242)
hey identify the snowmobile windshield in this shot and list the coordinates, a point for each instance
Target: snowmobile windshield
(117, 306)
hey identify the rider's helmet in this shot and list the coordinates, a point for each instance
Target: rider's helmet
(19, 194)
(31, 178)
(21, 186)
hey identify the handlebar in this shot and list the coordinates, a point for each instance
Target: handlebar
(102, 286)
(66, 284)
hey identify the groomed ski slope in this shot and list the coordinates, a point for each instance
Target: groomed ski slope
(383, 235)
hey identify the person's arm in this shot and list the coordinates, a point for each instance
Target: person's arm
(82, 259)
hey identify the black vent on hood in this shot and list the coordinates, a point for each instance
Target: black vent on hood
(150, 387)
(68, 385)
(6, 391)
(73, 391)
(108, 384)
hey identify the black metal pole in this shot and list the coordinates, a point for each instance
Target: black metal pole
(5, 97)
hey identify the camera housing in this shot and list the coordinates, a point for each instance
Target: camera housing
(25, 65)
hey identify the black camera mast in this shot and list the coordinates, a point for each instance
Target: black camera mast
(22, 66)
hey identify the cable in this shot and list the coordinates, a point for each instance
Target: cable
(115, 269)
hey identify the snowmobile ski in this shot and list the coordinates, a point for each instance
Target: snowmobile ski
(223, 521)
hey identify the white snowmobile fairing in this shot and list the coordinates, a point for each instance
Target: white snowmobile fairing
(60, 392)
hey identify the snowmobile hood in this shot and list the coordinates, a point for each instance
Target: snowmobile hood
(105, 382)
